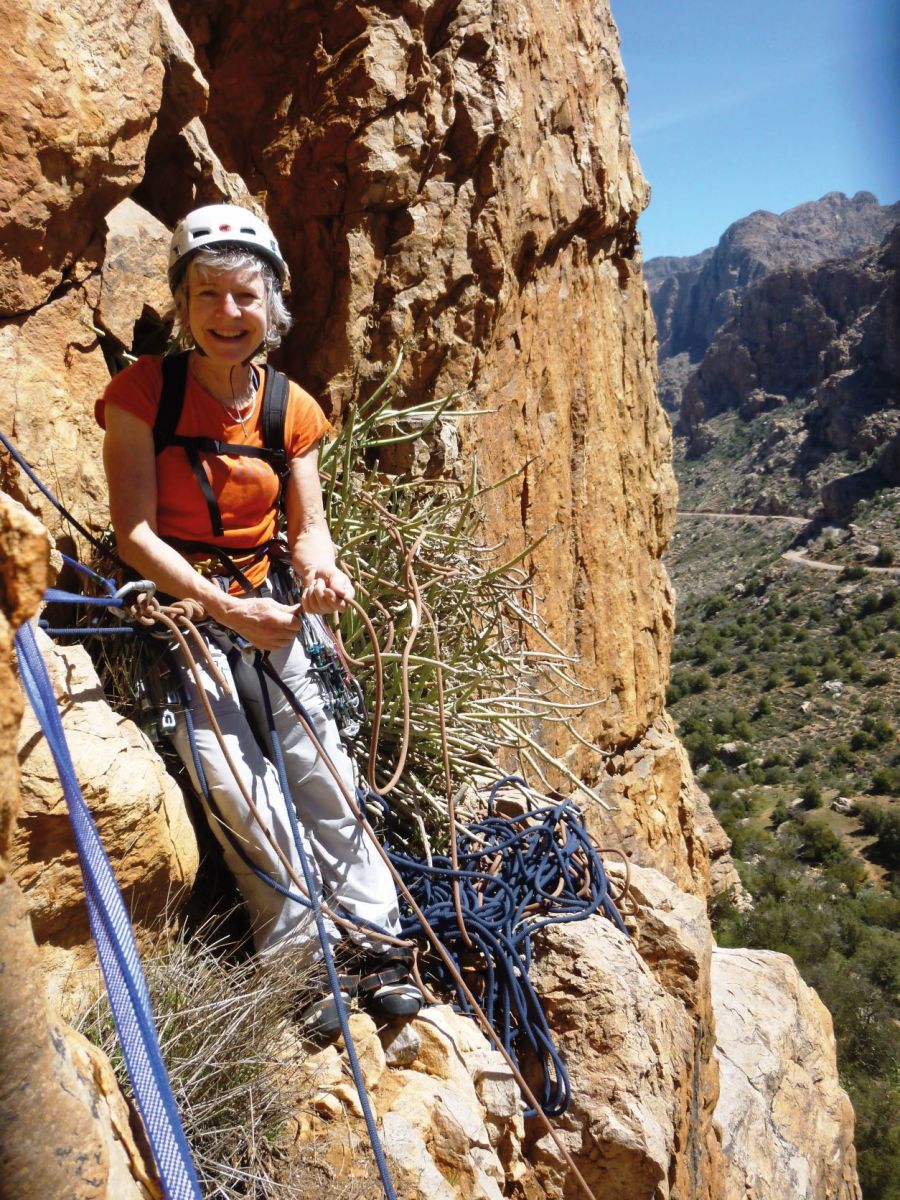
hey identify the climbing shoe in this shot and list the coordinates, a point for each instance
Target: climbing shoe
(386, 989)
(321, 1018)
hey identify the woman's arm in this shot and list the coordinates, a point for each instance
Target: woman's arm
(130, 464)
(325, 586)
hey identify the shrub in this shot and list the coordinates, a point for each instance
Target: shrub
(811, 794)
(802, 675)
(886, 781)
(820, 843)
(780, 814)
(714, 604)
(878, 679)
(888, 844)
(841, 755)
(805, 755)
(853, 572)
(884, 557)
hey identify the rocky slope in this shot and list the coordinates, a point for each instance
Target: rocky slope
(456, 176)
(694, 297)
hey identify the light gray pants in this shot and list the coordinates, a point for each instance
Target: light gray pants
(347, 868)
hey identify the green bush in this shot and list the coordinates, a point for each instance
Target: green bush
(763, 708)
(886, 781)
(878, 679)
(780, 814)
(884, 557)
(820, 843)
(811, 795)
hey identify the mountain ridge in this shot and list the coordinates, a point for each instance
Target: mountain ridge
(693, 297)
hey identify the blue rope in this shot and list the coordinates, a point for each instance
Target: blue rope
(263, 668)
(116, 948)
(516, 876)
(56, 596)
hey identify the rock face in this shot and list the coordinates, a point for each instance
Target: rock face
(66, 1133)
(787, 1123)
(75, 128)
(138, 809)
(659, 816)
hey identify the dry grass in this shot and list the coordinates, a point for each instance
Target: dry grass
(224, 1029)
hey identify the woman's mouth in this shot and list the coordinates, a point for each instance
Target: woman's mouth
(223, 336)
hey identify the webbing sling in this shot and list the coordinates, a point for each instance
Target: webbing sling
(171, 404)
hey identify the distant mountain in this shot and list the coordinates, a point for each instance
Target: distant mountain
(694, 297)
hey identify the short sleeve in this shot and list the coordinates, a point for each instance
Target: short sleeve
(306, 424)
(136, 390)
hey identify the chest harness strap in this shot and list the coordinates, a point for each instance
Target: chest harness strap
(272, 451)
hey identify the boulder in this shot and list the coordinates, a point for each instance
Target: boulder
(139, 811)
(66, 1131)
(787, 1125)
(635, 1028)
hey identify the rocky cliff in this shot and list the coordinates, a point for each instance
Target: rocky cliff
(456, 176)
(694, 297)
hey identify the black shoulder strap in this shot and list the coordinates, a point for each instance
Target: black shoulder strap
(171, 403)
(171, 400)
(274, 415)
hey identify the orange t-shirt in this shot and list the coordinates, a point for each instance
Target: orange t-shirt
(246, 488)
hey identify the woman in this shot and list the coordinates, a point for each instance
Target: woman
(180, 509)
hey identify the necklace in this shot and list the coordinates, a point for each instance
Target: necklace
(237, 409)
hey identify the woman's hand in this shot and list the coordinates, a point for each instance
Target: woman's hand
(326, 589)
(261, 621)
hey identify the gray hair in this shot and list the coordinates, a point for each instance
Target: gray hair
(231, 258)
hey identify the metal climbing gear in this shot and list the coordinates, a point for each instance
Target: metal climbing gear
(343, 697)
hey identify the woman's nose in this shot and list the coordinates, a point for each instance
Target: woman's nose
(230, 306)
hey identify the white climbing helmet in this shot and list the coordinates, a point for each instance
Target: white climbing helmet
(221, 224)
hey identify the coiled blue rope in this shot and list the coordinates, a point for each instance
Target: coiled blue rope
(111, 928)
(516, 875)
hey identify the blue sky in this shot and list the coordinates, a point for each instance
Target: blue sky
(744, 104)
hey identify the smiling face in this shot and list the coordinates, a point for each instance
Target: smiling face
(226, 312)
